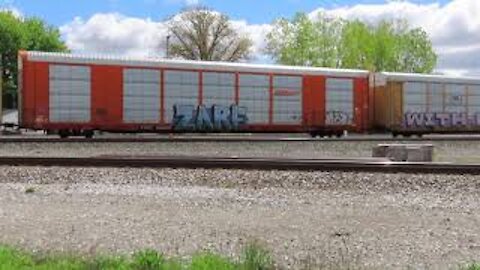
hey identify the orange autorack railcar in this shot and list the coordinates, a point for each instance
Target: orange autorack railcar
(72, 94)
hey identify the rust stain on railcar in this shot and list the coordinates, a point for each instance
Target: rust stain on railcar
(388, 102)
(396, 103)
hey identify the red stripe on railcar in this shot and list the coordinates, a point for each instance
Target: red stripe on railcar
(314, 100)
(41, 94)
(106, 95)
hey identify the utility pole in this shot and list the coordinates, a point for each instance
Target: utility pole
(168, 47)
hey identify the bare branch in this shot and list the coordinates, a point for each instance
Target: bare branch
(202, 34)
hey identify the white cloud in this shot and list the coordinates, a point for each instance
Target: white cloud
(256, 32)
(170, 2)
(192, 2)
(117, 34)
(454, 29)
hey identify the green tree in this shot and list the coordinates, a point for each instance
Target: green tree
(416, 53)
(327, 42)
(18, 33)
(305, 42)
(202, 34)
(357, 46)
(11, 38)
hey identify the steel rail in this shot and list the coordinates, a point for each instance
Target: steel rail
(199, 139)
(369, 164)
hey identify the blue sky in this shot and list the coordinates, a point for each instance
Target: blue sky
(254, 11)
(139, 27)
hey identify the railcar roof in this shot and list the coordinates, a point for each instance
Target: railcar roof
(406, 77)
(185, 64)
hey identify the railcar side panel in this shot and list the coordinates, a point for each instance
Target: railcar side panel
(439, 107)
(388, 104)
(28, 95)
(181, 96)
(392, 104)
(379, 105)
(218, 89)
(340, 103)
(219, 97)
(473, 101)
(68, 95)
(141, 96)
(107, 95)
(396, 101)
(362, 119)
(254, 98)
(35, 106)
(418, 104)
(314, 101)
(287, 100)
(63, 92)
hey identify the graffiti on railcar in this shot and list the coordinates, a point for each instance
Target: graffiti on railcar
(441, 119)
(337, 118)
(202, 118)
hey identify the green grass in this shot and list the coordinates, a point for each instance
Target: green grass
(473, 266)
(254, 257)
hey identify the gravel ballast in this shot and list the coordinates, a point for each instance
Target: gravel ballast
(452, 151)
(363, 219)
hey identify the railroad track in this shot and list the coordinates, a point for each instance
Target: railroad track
(190, 139)
(366, 164)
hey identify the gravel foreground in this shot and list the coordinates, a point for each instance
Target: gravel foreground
(375, 221)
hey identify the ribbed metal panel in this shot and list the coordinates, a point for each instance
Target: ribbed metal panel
(141, 96)
(287, 100)
(70, 94)
(474, 99)
(254, 96)
(421, 97)
(455, 98)
(181, 88)
(415, 97)
(339, 102)
(183, 64)
(411, 77)
(218, 89)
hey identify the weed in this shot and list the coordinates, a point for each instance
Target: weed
(256, 257)
(473, 266)
(30, 190)
(148, 260)
(207, 261)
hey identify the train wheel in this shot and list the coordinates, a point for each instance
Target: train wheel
(88, 134)
(313, 134)
(64, 134)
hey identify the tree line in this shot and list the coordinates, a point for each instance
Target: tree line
(202, 34)
(18, 33)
